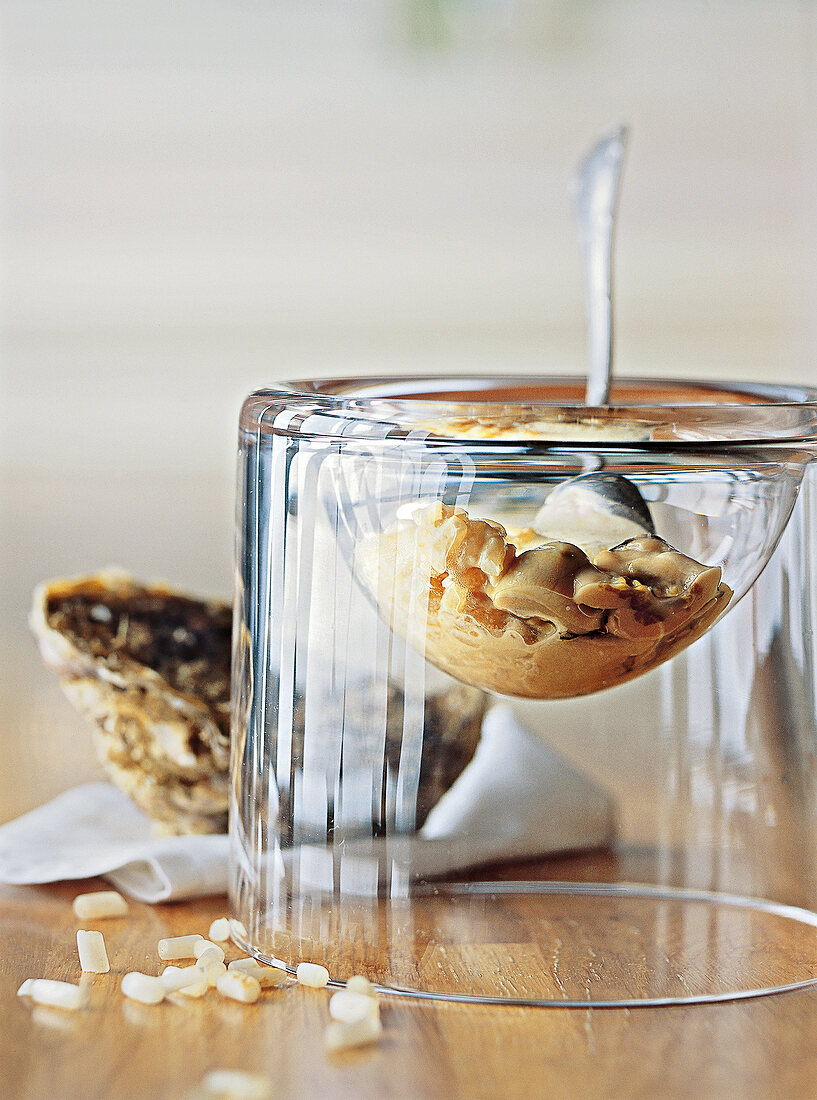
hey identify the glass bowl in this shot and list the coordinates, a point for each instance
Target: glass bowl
(523, 694)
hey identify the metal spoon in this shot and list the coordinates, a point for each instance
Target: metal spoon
(597, 188)
(595, 509)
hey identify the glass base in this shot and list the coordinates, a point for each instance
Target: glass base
(552, 944)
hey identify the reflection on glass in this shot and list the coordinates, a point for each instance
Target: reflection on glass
(372, 769)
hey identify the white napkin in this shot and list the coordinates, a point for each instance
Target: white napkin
(519, 799)
(516, 799)
(95, 830)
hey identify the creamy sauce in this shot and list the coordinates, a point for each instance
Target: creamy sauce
(530, 615)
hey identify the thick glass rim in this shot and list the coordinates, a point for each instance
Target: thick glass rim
(549, 410)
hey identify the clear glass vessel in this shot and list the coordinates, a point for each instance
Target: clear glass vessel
(524, 691)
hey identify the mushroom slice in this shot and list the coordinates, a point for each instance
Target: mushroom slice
(551, 622)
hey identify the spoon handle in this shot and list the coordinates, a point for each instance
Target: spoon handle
(597, 187)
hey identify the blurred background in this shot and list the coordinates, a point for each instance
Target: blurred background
(201, 198)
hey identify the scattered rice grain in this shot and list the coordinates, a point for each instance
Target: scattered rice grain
(93, 958)
(235, 1084)
(269, 977)
(312, 974)
(99, 904)
(44, 991)
(178, 947)
(143, 988)
(220, 930)
(348, 1006)
(345, 1036)
(239, 986)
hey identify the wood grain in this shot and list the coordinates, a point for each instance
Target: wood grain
(117, 1048)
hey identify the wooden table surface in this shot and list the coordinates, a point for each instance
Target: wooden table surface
(121, 1050)
(116, 1048)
